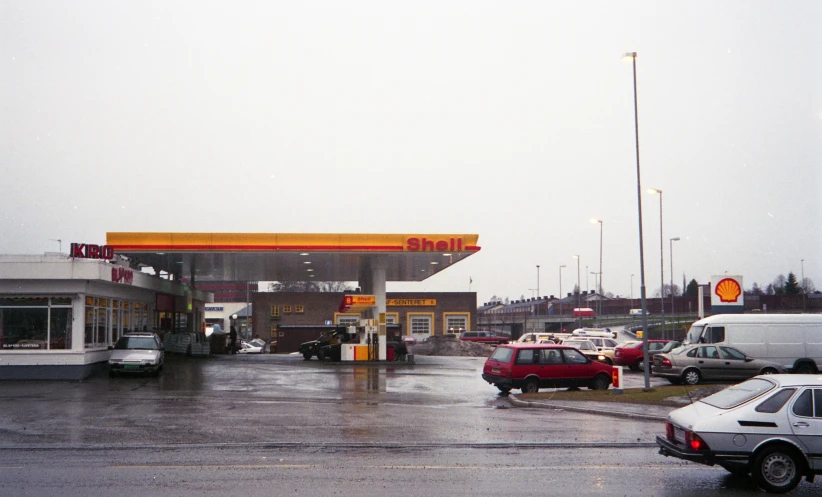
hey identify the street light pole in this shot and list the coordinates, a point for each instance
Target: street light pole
(632, 290)
(560, 297)
(599, 288)
(653, 191)
(646, 365)
(579, 290)
(537, 281)
(671, 252)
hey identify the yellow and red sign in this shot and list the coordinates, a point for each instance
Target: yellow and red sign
(357, 303)
(411, 302)
(727, 291)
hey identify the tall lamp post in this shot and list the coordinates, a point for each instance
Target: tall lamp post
(654, 191)
(599, 288)
(632, 290)
(560, 296)
(632, 57)
(579, 291)
(671, 256)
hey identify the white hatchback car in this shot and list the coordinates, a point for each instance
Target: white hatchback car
(769, 426)
(136, 353)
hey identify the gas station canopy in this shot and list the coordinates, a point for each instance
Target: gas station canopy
(293, 256)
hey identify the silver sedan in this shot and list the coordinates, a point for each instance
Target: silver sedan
(769, 426)
(693, 363)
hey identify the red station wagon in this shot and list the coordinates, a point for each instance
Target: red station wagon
(530, 366)
(631, 355)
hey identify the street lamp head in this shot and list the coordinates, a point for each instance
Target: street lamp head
(576, 257)
(675, 239)
(563, 265)
(629, 56)
(595, 220)
(654, 191)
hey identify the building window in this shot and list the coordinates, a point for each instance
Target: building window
(392, 317)
(275, 311)
(420, 323)
(299, 309)
(346, 319)
(287, 309)
(35, 323)
(456, 322)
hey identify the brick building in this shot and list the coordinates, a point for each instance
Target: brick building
(291, 318)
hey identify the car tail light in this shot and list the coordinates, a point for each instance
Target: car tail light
(694, 442)
(665, 362)
(669, 431)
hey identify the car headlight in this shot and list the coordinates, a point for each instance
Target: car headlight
(115, 361)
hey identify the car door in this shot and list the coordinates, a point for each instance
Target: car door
(527, 364)
(552, 368)
(805, 417)
(710, 362)
(735, 366)
(578, 368)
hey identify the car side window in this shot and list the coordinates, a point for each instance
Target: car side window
(804, 404)
(817, 402)
(574, 357)
(775, 403)
(655, 345)
(611, 343)
(551, 357)
(526, 356)
(692, 352)
(708, 353)
(729, 353)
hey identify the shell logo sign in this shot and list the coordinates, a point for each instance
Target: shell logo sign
(726, 291)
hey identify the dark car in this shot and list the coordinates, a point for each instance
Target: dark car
(484, 337)
(312, 348)
(333, 351)
(530, 366)
(633, 355)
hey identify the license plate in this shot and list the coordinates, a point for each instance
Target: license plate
(679, 435)
(131, 366)
(495, 370)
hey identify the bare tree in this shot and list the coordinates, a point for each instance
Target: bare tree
(309, 286)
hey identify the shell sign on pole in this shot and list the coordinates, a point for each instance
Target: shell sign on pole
(727, 295)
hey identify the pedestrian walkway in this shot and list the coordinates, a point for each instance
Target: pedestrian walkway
(623, 410)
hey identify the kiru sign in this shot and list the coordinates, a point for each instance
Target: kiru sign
(91, 251)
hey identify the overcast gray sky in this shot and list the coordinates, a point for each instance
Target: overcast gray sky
(513, 120)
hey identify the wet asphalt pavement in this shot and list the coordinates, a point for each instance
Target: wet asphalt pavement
(279, 425)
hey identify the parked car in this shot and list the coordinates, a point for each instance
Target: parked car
(312, 348)
(534, 337)
(409, 339)
(633, 355)
(589, 348)
(136, 353)
(692, 364)
(637, 312)
(767, 426)
(594, 332)
(254, 346)
(530, 367)
(488, 337)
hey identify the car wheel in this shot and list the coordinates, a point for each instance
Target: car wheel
(601, 382)
(805, 369)
(112, 373)
(530, 386)
(777, 469)
(321, 354)
(504, 389)
(634, 367)
(675, 381)
(691, 376)
(769, 371)
(307, 356)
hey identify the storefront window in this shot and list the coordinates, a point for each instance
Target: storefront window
(35, 323)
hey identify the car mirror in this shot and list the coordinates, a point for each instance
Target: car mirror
(162, 348)
(749, 359)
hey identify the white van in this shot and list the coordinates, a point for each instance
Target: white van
(793, 340)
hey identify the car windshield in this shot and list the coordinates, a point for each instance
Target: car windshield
(502, 354)
(632, 345)
(693, 334)
(669, 346)
(145, 343)
(586, 345)
(738, 394)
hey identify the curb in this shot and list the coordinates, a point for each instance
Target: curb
(616, 413)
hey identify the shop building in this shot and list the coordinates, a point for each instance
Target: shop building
(291, 318)
(59, 314)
